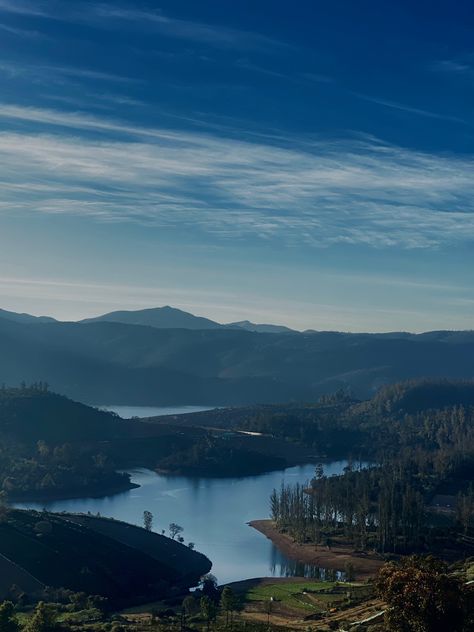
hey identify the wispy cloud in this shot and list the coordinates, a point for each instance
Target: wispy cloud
(354, 192)
(294, 77)
(410, 109)
(212, 34)
(23, 7)
(58, 74)
(128, 16)
(453, 66)
(12, 30)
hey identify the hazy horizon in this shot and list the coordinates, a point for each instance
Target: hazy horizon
(227, 322)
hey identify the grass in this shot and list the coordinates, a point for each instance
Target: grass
(293, 595)
(304, 597)
(77, 617)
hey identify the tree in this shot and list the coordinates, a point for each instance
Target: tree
(175, 529)
(422, 597)
(8, 620)
(190, 605)
(191, 546)
(350, 571)
(209, 587)
(227, 602)
(208, 610)
(148, 520)
(43, 619)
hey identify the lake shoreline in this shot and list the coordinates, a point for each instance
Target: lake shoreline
(365, 565)
(94, 492)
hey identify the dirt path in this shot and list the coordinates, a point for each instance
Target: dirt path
(365, 564)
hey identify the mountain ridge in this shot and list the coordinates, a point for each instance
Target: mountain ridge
(104, 362)
(25, 318)
(168, 317)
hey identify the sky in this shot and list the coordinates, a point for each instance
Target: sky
(307, 163)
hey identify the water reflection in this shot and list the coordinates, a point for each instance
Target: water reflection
(281, 566)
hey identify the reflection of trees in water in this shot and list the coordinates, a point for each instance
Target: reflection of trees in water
(281, 566)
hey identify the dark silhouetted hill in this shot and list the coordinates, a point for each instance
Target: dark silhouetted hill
(28, 415)
(126, 564)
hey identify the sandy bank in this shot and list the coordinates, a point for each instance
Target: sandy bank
(365, 564)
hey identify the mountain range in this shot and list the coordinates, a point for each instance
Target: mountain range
(172, 318)
(165, 356)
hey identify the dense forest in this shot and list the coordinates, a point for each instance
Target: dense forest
(52, 446)
(420, 451)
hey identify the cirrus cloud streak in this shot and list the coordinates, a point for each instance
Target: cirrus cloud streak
(318, 193)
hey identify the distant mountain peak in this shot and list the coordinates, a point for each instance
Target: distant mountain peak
(168, 317)
(260, 328)
(165, 317)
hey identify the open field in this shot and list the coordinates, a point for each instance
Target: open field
(300, 603)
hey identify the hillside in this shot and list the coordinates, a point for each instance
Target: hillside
(32, 414)
(100, 559)
(158, 547)
(339, 426)
(53, 447)
(25, 318)
(105, 363)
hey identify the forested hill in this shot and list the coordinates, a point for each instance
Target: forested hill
(418, 495)
(53, 447)
(29, 414)
(338, 426)
(417, 396)
(105, 362)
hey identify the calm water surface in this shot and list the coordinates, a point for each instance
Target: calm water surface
(214, 514)
(127, 412)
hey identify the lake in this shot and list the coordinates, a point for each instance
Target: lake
(214, 514)
(127, 412)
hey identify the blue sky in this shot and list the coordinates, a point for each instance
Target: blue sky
(309, 163)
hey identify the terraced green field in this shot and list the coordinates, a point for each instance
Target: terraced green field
(307, 597)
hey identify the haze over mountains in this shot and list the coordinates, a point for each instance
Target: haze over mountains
(171, 318)
(165, 356)
(25, 318)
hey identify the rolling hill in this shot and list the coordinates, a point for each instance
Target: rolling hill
(97, 556)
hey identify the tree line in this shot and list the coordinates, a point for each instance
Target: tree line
(385, 506)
